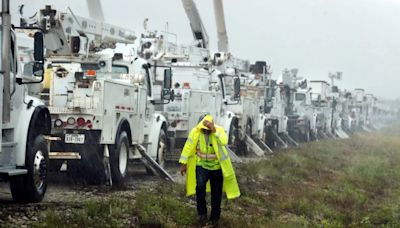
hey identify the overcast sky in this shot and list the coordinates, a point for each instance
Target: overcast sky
(361, 38)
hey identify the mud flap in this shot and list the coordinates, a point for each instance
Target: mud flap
(106, 161)
(150, 163)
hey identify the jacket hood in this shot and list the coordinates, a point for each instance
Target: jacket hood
(201, 125)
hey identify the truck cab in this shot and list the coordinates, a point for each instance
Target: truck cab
(321, 102)
(26, 122)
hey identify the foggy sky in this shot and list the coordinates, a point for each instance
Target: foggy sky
(361, 38)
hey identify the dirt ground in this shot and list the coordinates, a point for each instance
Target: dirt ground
(65, 194)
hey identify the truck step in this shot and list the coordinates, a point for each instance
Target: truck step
(8, 144)
(10, 171)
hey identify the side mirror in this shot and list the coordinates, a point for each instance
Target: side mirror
(167, 93)
(34, 68)
(38, 55)
(38, 47)
(75, 44)
(236, 88)
(167, 79)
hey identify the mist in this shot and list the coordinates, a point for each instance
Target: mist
(360, 38)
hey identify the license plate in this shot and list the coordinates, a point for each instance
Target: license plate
(75, 138)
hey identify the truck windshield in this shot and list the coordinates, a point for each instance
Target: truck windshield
(300, 97)
(119, 69)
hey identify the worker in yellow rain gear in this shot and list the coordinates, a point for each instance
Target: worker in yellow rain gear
(206, 161)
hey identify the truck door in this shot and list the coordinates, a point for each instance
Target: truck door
(149, 110)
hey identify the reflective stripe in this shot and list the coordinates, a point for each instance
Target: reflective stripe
(190, 140)
(206, 156)
(184, 158)
(218, 134)
(222, 153)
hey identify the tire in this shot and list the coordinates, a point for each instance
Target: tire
(119, 159)
(31, 188)
(162, 148)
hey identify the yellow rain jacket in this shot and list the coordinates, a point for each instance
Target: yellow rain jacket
(189, 157)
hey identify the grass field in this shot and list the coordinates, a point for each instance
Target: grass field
(332, 183)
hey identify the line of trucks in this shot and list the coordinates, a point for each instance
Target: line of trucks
(78, 95)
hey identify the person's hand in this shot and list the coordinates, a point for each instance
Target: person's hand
(183, 169)
(210, 125)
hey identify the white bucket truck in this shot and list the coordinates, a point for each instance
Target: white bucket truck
(102, 106)
(25, 121)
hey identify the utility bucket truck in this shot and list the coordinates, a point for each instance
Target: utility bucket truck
(360, 108)
(321, 102)
(196, 85)
(336, 100)
(243, 98)
(25, 121)
(305, 128)
(274, 120)
(102, 106)
(198, 89)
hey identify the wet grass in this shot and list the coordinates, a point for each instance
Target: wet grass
(333, 183)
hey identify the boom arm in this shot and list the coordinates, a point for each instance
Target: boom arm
(199, 32)
(223, 45)
(95, 9)
(68, 34)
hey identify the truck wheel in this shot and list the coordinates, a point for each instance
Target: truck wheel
(119, 159)
(30, 188)
(162, 148)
